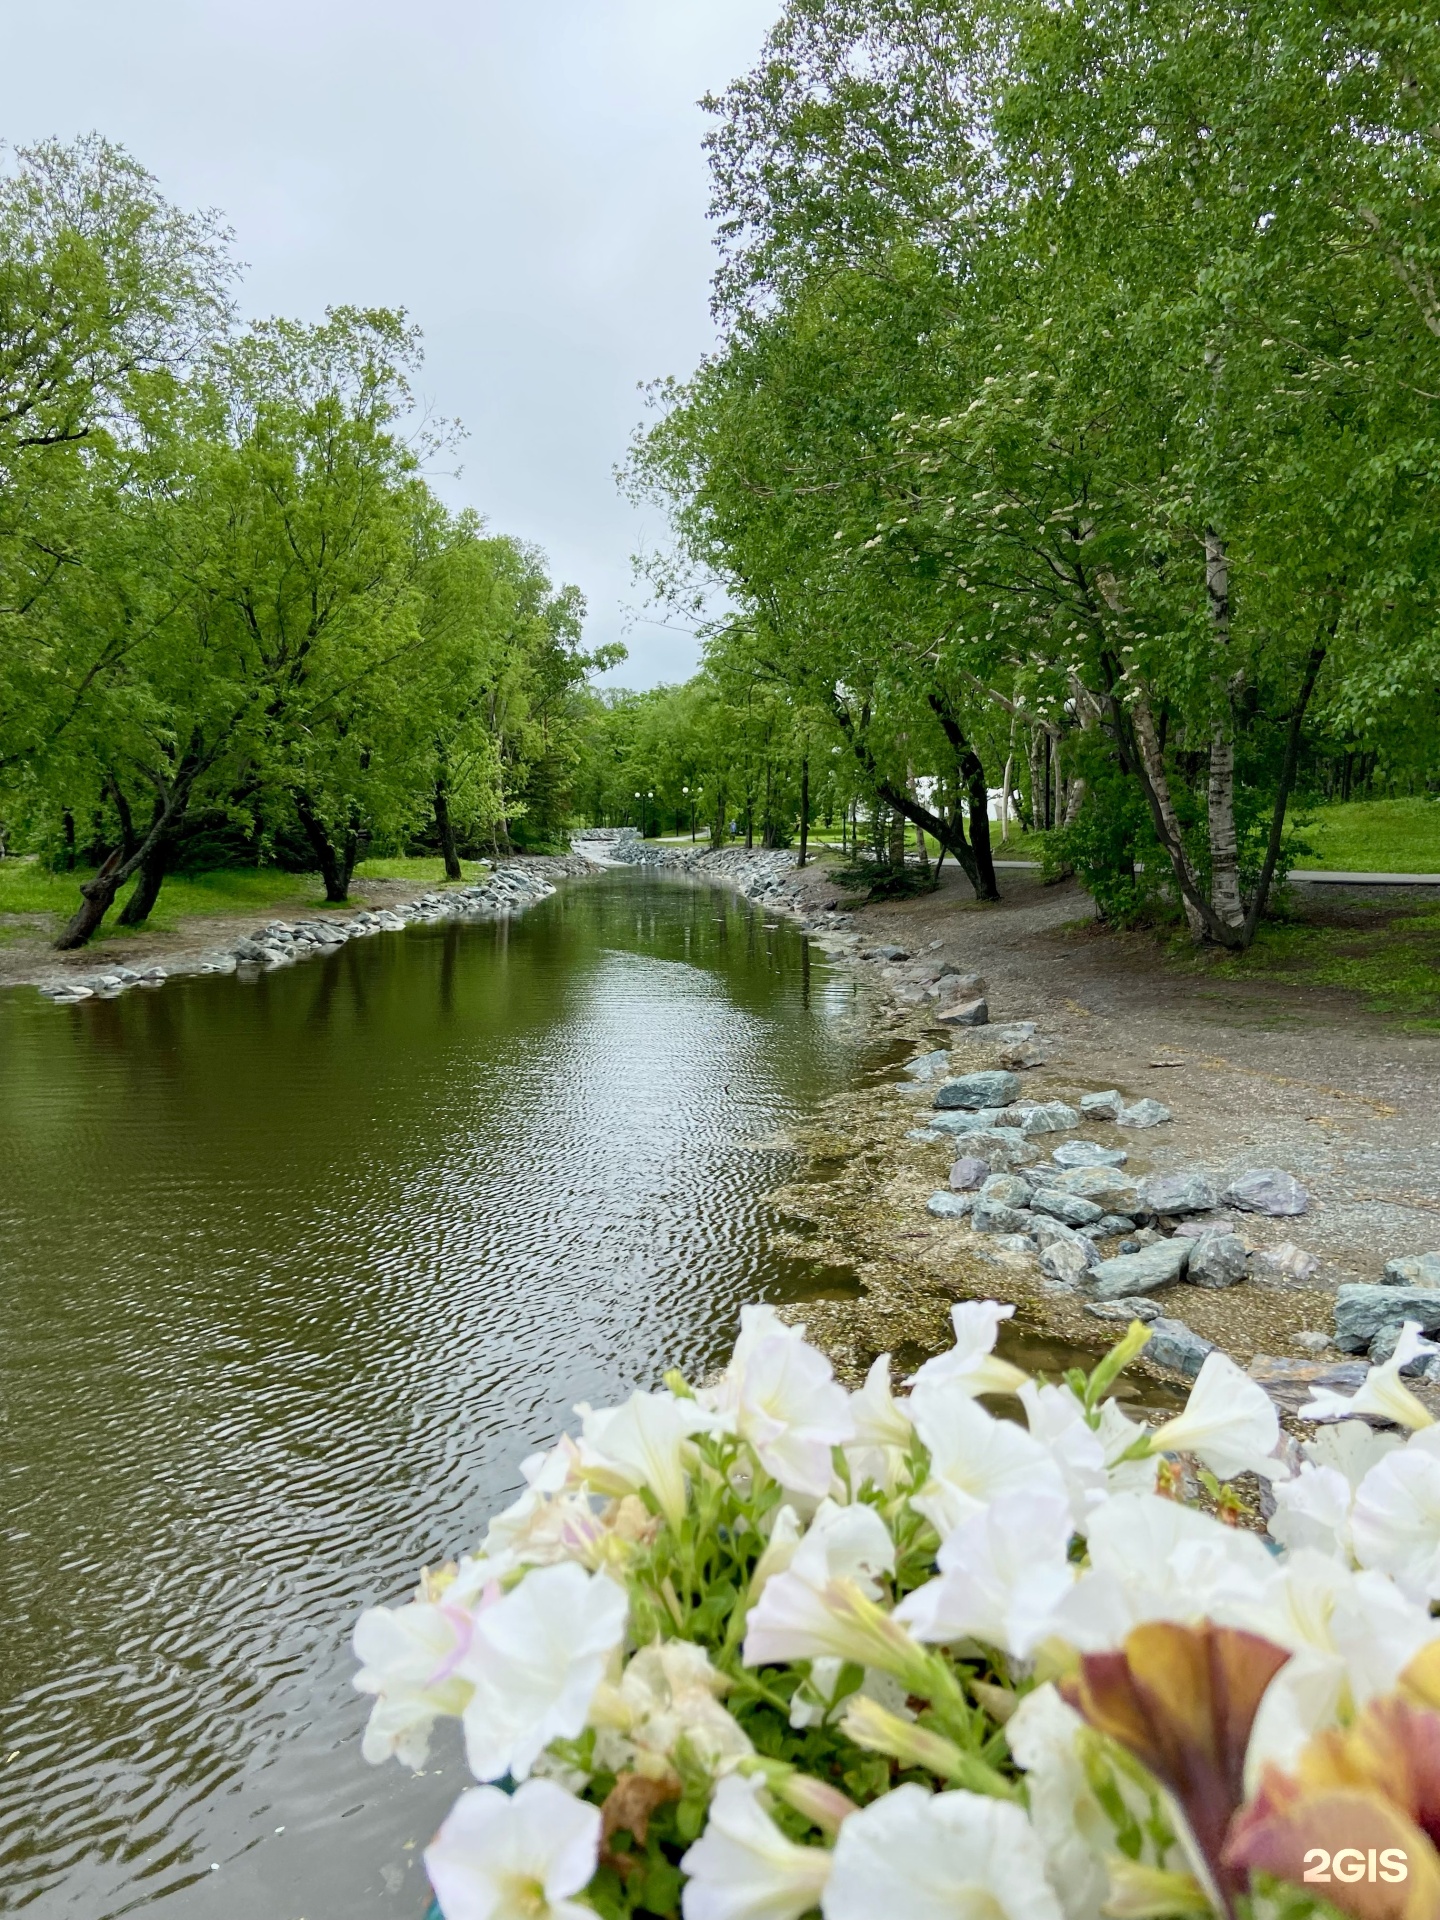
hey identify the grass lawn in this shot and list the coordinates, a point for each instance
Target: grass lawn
(1372, 836)
(1386, 952)
(25, 887)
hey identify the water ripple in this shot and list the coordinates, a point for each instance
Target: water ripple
(295, 1273)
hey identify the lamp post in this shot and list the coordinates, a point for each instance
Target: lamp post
(641, 798)
(686, 792)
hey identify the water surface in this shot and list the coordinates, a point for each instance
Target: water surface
(292, 1275)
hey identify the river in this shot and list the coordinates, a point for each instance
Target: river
(294, 1274)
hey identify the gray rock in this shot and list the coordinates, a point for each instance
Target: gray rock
(1088, 1153)
(68, 994)
(1200, 1224)
(964, 1013)
(1362, 1311)
(1217, 1260)
(994, 1088)
(1005, 1190)
(1311, 1342)
(885, 953)
(1064, 1260)
(950, 1206)
(1013, 1243)
(1109, 1224)
(928, 1066)
(1412, 1270)
(1155, 1266)
(1069, 1207)
(1144, 1113)
(1110, 1189)
(1172, 1344)
(1130, 1306)
(1267, 1190)
(1053, 1117)
(1285, 1262)
(998, 1218)
(1000, 1149)
(1384, 1345)
(923, 1133)
(1015, 1035)
(962, 1122)
(1101, 1106)
(1183, 1192)
(967, 1173)
(248, 950)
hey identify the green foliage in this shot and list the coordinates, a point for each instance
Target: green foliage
(235, 624)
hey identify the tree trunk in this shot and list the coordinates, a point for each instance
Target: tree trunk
(897, 840)
(335, 876)
(97, 895)
(68, 825)
(1282, 795)
(1157, 787)
(804, 808)
(153, 867)
(445, 830)
(1224, 843)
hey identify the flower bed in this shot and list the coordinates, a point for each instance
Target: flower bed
(769, 1649)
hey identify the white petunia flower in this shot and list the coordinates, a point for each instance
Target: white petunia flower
(849, 1543)
(942, 1857)
(1313, 1511)
(823, 1606)
(974, 1458)
(1382, 1392)
(644, 1443)
(1350, 1635)
(669, 1697)
(743, 1868)
(1153, 1559)
(970, 1365)
(1002, 1574)
(1352, 1448)
(515, 1856)
(535, 1661)
(882, 1430)
(1229, 1422)
(785, 1534)
(408, 1656)
(1395, 1521)
(1075, 1833)
(1055, 1418)
(794, 1414)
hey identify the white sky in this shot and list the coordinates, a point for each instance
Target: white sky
(524, 176)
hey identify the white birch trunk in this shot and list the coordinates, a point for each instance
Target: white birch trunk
(1224, 843)
(1150, 753)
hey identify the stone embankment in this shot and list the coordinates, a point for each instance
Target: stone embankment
(506, 889)
(1043, 1187)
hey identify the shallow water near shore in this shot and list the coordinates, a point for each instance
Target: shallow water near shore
(295, 1273)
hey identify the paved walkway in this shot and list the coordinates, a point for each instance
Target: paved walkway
(1309, 876)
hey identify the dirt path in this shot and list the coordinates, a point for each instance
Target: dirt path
(1255, 1073)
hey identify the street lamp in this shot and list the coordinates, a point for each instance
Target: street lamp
(686, 792)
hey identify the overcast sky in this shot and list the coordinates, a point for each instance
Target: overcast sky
(524, 176)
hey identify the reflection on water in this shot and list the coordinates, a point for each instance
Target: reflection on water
(291, 1274)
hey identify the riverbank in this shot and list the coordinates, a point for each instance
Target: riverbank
(1253, 1074)
(239, 944)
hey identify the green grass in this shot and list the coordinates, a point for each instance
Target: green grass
(1388, 956)
(1372, 836)
(26, 887)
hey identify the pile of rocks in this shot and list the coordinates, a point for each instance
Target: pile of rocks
(1116, 1239)
(507, 889)
(757, 873)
